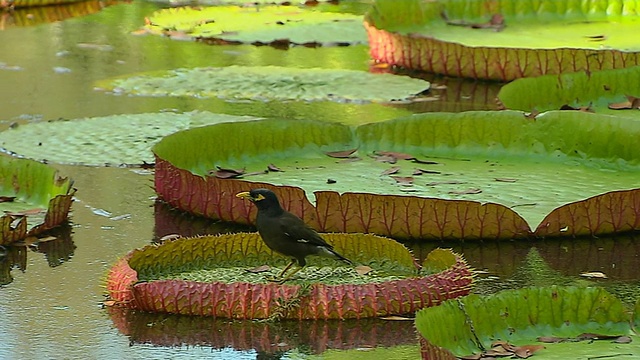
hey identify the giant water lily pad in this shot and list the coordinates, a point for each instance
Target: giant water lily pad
(34, 198)
(217, 276)
(258, 25)
(521, 316)
(590, 91)
(272, 83)
(469, 175)
(503, 40)
(110, 140)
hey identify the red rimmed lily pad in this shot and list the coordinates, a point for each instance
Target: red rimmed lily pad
(482, 174)
(208, 276)
(502, 40)
(34, 198)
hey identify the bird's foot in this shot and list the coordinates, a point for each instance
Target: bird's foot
(276, 279)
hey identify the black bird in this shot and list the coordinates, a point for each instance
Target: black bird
(286, 233)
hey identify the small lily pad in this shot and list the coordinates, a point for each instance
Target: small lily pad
(41, 198)
(111, 140)
(271, 83)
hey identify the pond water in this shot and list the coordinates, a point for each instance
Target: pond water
(51, 297)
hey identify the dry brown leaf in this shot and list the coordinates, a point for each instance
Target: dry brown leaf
(551, 339)
(403, 180)
(594, 275)
(418, 171)
(526, 351)
(466, 192)
(259, 269)
(340, 154)
(363, 269)
(385, 158)
(397, 155)
(622, 340)
(391, 170)
(447, 182)
(7, 199)
(169, 237)
(631, 103)
(223, 173)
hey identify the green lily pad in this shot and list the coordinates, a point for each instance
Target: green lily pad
(269, 83)
(503, 40)
(111, 140)
(152, 279)
(520, 317)
(34, 199)
(595, 90)
(258, 25)
(481, 174)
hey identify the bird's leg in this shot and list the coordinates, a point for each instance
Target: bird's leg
(291, 274)
(279, 278)
(293, 261)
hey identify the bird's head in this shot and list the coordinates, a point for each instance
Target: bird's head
(263, 198)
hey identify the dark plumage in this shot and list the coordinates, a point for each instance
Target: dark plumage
(286, 233)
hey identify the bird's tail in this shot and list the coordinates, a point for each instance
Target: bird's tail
(340, 257)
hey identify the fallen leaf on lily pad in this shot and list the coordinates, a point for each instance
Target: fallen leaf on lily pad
(223, 173)
(363, 269)
(508, 180)
(631, 103)
(391, 170)
(397, 155)
(466, 192)
(341, 154)
(259, 269)
(594, 275)
(403, 180)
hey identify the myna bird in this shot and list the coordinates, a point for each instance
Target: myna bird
(286, 233)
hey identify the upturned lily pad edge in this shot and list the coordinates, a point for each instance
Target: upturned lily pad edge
(14, 227)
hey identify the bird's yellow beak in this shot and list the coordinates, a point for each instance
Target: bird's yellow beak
(244, 195)
(247, 195)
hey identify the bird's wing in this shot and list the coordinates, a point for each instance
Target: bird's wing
(298, 231)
